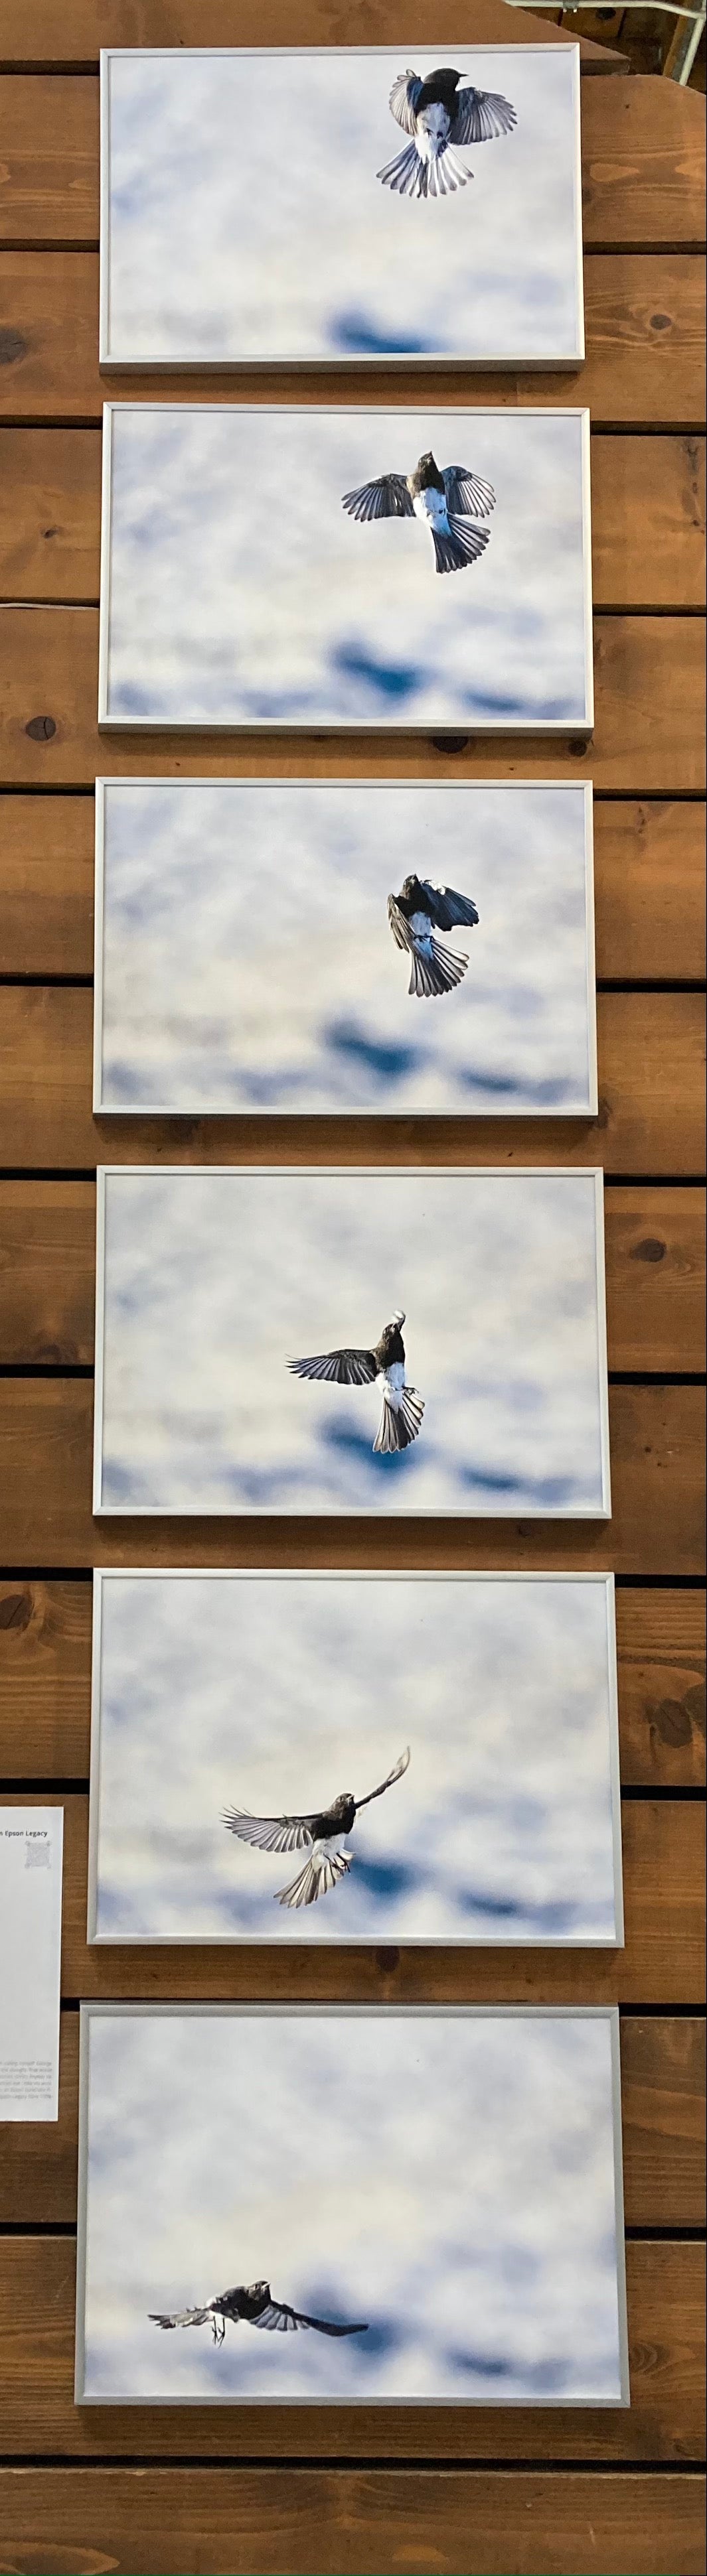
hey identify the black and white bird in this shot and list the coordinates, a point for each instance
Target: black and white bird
(446, 499)
(252, 2307)
(321, 1835)
(414, 915)
(439, 116)
(384, 1365)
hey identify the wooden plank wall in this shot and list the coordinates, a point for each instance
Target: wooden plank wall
(483, 2492)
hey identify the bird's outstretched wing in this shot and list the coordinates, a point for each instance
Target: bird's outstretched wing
(402, 933)
(340, 1368)
(406, 91)
(467, 495)
(387, 498)
(481, 115)
(182, 2317)
(278, 2318)
(447, 908)
(269, 1833)
(396, 1774)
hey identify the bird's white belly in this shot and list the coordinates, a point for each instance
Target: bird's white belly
(432, 132)
(421, 927)
(394, 1381)
(432, 507)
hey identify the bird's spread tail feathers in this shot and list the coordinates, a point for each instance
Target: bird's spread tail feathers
(462, 546)
(320, 1873)
(436, 973)
(184, 2317)
(411, 177)
(399, 1423)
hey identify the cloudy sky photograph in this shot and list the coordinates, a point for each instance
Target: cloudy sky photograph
(238, 591)
(444, 2180)
(244, 218)
(274, 1694)
(246, 959)
(220, 1290)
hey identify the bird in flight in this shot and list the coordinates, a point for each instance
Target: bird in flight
(252, 2307)
(320, 1835)
(438, 115)
(446, 500)
(384, 1365)
(414, 915)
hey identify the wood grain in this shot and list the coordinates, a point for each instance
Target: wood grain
(648, 518)
(643, 174)
(663, 2423)
(651, 1113)
(45, 1682)
(649, 707)
(663, 2113)
(655, 1268)
(644, 363)
(307, 2522)
(648, 871)
(55, 36)
(657, 1528)
(642, 163)
(660, 1650)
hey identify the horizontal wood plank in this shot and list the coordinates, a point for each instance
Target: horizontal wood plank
(657, 1437)
(647, 740)
(660, 1640)
(55, 36)
(306, 2522)
(663, 2114)
(651, 1113)
(642, 163)
(663, 2423)
(648, 518)
(45, 1682)
(643, 176)
(662, 1962)
(644, 364)
(648, 869)
(655, 1266)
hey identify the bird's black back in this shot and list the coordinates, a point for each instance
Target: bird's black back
(439, 90)
(426, 475)
(390, 1347)
(336, 1819)
(412, 897)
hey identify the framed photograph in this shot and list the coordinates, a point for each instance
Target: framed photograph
(323, 206)
(286, 568)
(314, 1341)
(268, 944)
(401, 2206)
(404, 1758)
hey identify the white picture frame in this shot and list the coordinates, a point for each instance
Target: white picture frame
(147, 2227)
(215, 976)
(297, 1629)
(294, 617)
(394, 1227)
(527, 243)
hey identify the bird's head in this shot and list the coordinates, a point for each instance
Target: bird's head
(258, 2290)
(399, 1316)
(451, 79)
(427, 464)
